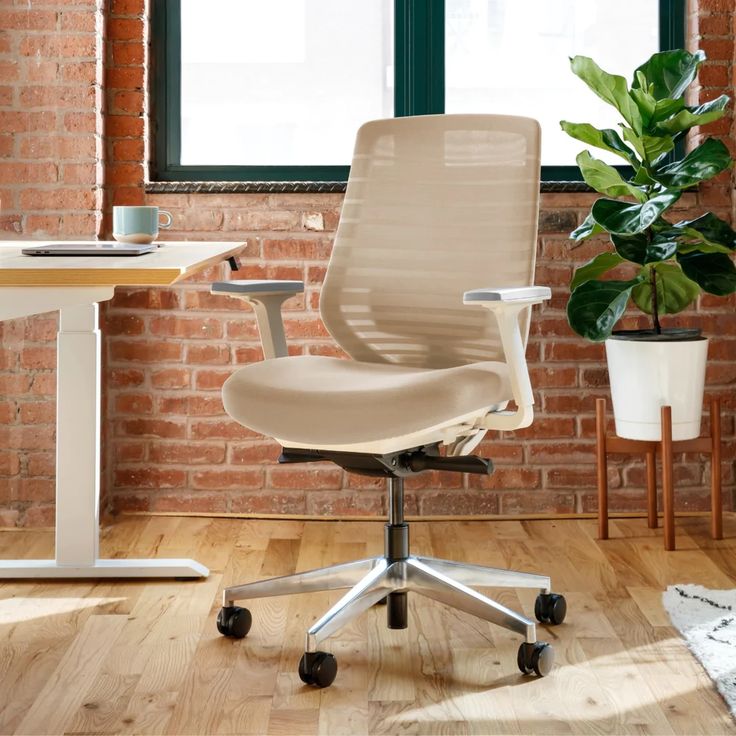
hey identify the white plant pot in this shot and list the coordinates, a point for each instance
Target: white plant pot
(647, 375)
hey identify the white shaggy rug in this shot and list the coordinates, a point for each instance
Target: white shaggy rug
(707, 621)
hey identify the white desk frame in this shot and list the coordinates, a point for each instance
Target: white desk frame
(78, 438)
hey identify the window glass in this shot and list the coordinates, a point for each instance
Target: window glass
(283, 82)
(511, 57)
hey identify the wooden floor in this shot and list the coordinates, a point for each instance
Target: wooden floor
(145, 658)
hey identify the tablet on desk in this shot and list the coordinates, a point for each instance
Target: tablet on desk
(102, 248)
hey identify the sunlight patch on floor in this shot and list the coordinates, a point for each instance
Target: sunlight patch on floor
(18, 610)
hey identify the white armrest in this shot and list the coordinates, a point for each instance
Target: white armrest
(528, 294)
(266, 298)
(506, 305)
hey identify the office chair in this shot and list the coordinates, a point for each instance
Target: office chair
(428, 290)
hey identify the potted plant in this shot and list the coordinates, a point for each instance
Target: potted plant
(665, 264)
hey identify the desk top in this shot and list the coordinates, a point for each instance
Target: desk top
(169, 263)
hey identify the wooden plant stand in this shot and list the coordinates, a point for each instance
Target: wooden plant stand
(667, 447)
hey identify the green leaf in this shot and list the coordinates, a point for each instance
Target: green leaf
(605, 179)
(702, 163)
(674, 289)
(607, 139)
(650, 148)
(712, 229)
(666, 108)
(586, 229)
(668, 73)
(646, 104)
(594, 268)
(609, 87)
(691, 116)
(642, 250)
(623, 218)
(714, 272)
(595, 307)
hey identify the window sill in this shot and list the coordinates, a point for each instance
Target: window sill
(317, 187)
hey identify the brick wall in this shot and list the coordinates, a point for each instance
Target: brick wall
(50, 187)
(169, 445)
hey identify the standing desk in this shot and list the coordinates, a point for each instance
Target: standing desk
(75, 285)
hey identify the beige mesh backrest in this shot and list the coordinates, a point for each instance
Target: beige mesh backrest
(435, 206)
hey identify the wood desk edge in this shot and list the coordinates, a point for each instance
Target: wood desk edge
(164, 276)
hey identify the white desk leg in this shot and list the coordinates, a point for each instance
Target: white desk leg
(78, 468)
(78, 436)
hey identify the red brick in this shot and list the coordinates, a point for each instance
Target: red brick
(147, 298)
(254, 453)
(127, 7)
(36, 173)
(187, 454)
(303, 478)
(125, 29)
(331, 503)
(539, 502)
(191, 406)
(48, 47)
(124, 377)
(227, 479)
(146, 352)
(201, 502)
(78, 21)
(9, 463)
(59, 198)
(186, 327)
(453, 503)
(37, 412)
(273, 502)
(124, 53)
(211, 380)
(208, 354)
(152, 428)
(28, 20)
(41, 463)
(150, 478)
(128, 150)
(294, 249)
(221, 430)
(171, 378)
(134, 404)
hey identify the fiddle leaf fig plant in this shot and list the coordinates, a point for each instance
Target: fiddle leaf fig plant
(673, 261)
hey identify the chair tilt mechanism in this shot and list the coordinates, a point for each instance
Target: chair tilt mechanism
(435, 206)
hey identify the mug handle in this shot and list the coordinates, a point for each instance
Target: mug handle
(167, 224)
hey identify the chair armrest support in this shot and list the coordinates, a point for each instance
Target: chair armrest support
(507, 305)
(266, 298)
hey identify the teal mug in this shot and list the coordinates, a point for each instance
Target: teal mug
(133, 224)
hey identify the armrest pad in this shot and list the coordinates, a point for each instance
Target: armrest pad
(513, 294)
(257, 286)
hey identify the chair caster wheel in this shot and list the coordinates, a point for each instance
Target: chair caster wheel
(550, 608)
(318, 669)
(538, 657)
(234, 621)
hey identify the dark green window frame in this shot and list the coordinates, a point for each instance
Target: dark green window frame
(419, 89)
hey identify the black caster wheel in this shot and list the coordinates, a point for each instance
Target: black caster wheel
(550, 608)
(538, 657)
(318, 669)
(234, 621)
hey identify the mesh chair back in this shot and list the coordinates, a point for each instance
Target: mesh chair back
(435, 206)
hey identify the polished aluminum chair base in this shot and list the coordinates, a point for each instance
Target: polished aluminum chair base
(389, 578)
(371, 580)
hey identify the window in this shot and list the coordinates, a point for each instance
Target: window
(274, 91)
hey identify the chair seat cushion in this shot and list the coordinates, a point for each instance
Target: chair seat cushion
(327, 401)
